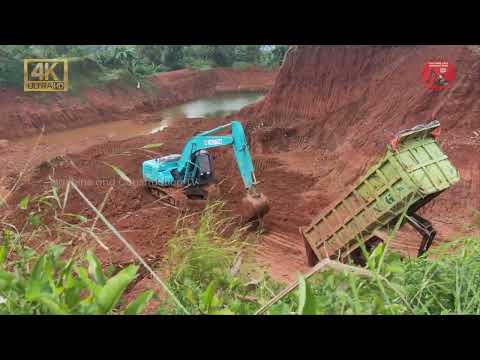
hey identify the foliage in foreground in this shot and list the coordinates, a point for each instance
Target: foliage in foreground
(50, 281)
(47, 284)
(210, 268)
(211, 272)
(447, 282)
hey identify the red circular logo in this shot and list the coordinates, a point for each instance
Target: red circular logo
(438, 75)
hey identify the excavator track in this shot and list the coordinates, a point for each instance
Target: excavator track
(176, 196)
(171, 196)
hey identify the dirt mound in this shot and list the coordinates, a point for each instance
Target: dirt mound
(23, 114)
(333, 109)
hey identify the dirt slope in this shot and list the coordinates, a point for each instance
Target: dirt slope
(333, 109)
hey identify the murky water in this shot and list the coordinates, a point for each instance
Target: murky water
(123, 129)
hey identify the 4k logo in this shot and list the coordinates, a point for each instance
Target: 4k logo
(45, 75)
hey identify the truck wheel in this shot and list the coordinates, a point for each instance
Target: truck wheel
(370, 245)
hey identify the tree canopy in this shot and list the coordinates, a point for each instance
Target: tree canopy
(154, 58)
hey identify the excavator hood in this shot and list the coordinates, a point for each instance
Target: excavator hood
(160, 170)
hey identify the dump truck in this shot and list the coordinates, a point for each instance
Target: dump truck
(413, 171)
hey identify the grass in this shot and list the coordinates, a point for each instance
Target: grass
(449, 284)
(208, 266)
(37, 277)
(46, 267)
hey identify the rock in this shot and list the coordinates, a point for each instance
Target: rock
(4, 143)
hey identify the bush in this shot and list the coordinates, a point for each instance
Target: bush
(50, 282)
(46, 284)
(200, 64)
(447, 284)
(205, 267)
(11, 71)
(241, 65)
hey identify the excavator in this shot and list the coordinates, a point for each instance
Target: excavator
(176, 178)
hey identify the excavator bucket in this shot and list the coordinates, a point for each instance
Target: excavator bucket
(254, 207)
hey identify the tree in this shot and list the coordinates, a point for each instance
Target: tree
(278, 53)
(173, 56)
(154, 53)
(272, 55)
(252, 53)
(222, 55)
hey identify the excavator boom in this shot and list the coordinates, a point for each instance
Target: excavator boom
(206, 140)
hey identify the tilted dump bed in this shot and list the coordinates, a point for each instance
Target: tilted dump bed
(412, 172)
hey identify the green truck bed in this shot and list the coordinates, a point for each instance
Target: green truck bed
(413, 171)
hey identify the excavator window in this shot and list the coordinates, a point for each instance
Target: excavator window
(205, 168)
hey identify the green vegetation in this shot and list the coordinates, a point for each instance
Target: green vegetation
(211, 271)
(100, 62)
(96, 65)
(11, 70)
(48, 281)
(46, 284)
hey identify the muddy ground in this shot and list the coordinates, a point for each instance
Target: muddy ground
(328, 117)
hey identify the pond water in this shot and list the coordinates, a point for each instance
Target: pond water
(219, 105)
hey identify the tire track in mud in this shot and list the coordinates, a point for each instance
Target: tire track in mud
(264, 164)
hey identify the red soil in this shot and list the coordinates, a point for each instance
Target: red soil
(328, 117)
(333, 109)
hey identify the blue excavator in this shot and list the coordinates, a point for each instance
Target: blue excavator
(177, 177)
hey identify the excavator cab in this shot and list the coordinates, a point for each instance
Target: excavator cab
(204, 165)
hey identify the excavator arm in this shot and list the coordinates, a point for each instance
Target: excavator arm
(206, 140)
